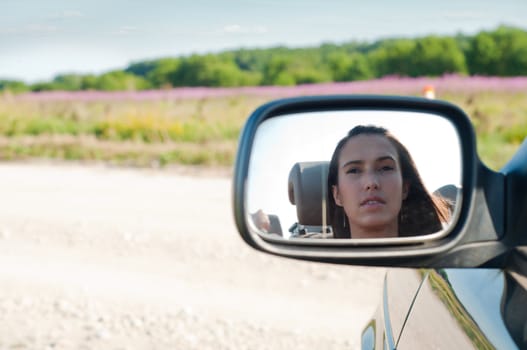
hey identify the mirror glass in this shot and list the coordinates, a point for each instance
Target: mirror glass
(378, 194)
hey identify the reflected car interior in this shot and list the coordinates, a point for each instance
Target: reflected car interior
(307, 190)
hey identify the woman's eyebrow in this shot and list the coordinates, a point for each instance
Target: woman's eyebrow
(360, 161)
(352, 162)
(380, 159)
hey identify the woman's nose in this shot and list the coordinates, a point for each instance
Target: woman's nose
(371, 181)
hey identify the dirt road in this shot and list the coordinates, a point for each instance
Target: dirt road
(99, 258)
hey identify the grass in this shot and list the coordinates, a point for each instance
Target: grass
(142, 133)
(88, 148)
(148, 128)
(500, 122)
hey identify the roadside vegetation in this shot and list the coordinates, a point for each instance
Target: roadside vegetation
(201, 126)
(201, 131)
(190, 110)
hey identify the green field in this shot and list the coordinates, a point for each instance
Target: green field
(198, 130)
(500, 121)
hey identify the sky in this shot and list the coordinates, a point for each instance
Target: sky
(40, 39)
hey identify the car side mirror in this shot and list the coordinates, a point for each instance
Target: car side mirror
(429, 202)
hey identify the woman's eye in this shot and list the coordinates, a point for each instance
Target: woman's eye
(353, 171)
(386, 168)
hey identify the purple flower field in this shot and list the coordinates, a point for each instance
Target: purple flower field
(388, 85)
(201, 125)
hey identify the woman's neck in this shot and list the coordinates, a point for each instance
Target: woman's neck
(389, 231)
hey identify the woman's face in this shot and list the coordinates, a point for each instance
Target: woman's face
(370, 186)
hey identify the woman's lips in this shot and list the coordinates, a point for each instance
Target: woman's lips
(372, 202)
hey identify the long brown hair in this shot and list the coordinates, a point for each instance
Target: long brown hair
(421, 212)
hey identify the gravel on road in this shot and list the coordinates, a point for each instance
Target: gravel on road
(93, 257)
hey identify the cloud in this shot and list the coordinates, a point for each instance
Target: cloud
(464, 15)
(238, 29)
(232, 28)
(125, 30)
(29, 29)
(47, 24)
(66, 14)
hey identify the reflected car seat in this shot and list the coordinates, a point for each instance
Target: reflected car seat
(307, 189)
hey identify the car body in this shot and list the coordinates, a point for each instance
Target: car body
(449, 309)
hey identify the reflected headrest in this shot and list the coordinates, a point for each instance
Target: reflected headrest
(307, 188)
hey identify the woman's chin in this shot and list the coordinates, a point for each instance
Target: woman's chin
(378, 227)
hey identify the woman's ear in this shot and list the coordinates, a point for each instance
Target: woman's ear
(406, 189)
(336, 195)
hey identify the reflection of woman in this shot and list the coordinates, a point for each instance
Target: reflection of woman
(375, 190)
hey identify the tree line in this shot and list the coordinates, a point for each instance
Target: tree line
(500, 52)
